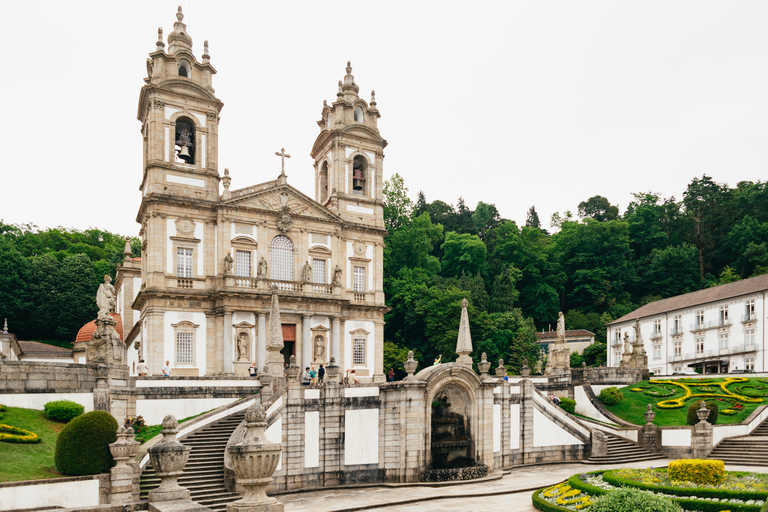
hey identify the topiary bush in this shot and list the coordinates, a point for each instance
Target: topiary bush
(568, 404)
(82, 447)
(633, 500)
(62, 410)
(611, 395)
(698, 471)
(693, 418)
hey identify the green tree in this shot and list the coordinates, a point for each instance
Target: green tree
(476, 287)
(75, 298)
(596, 354)
(673, 270)
(463, 253)
(14, 278)
(410, 246)
(485, 218)
(598, 208)
(397, 205)
(705, 205)
(532, 220)
(503, 293)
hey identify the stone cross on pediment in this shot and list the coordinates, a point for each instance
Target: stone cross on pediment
(283, 155)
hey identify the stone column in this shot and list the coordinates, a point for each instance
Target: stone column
(261, 341)
(331, 438)
(378, 363)
(506, 459)
(526, 419)
(701, 437)
(336, 340)
(227, 355)
(306, 341)
(121, 476)
(649, 432)
(101, 395)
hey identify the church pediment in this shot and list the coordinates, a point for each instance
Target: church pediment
(277, 198)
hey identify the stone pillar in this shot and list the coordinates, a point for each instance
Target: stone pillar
(101, 395)
(306, 341)
(331, 439)
(121, 476)
(336, 340)
(526, 419)
(254, 461)
(261, 341)
(506, 459)
(649, 432)
(701, 437)
(599, 444)
(378, 363)
(227, 356)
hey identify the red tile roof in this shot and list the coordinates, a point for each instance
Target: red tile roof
(35, 347)
(86, 332)
(700, 297)
(568, 334)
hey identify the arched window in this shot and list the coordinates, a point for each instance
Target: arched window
(185, 141)
(359, 175)
(358, 114)
(282, 258)
(184, 69)
(322, 183)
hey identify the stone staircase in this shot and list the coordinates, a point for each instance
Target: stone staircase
(751, 450)
(204, 473)
(622, 450)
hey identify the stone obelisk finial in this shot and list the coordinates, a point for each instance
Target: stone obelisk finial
(464, 342)
(275, 338)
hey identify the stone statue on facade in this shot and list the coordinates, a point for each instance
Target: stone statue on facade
(229, 262)
(307, 273)
(106, 299)
(337, 276)
(558, 360)
(560, 325)
(242, 347)
(319, 348)
(261, 270)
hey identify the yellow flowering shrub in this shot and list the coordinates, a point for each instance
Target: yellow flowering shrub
(11, 434)
(698, 471)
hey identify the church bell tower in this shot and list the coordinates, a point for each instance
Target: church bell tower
(349, 156)
(179, 116)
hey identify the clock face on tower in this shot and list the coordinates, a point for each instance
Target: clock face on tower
(360, 249)
(185, 226)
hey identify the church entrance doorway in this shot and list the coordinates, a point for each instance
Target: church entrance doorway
(289, 342)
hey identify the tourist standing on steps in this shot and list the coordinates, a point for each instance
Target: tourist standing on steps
(167, 369)
(391, 375)
(313, 376)
(353, 378)
(252, 370)
(305, 377)
(142, 368)
(320, 375)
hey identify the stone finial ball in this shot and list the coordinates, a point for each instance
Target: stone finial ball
(255, 414)
(649, 408)
(170, 422)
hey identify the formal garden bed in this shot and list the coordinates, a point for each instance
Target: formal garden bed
(654, 490)
(736, 398)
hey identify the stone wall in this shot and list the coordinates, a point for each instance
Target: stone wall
(45, 377)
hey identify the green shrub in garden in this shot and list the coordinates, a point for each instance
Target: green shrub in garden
(633, 500)
(693, 418)
(568, 404)
(82, 448)
(62, 410)
(611, 395)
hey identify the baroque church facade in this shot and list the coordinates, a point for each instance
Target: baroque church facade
(199, 297)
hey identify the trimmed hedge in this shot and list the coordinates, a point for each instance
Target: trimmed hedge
(693, 418)
(692, 492)
(9, 434)
(698, 471)
(634, 500)
(542, 504)
(63, 410)
(82, 448)
(611, 395)
(2, 410)
(568, 404)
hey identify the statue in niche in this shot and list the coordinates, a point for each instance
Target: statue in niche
(319, 348)
(229, 262)
(242, 346)
(105, 299)
(337, 276)
(261, 270)
(307, 272)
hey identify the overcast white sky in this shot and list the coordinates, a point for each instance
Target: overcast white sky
(541, 103)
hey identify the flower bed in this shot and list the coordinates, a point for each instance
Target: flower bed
(738, 492)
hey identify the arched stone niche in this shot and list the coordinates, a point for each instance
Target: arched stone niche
(461, 386)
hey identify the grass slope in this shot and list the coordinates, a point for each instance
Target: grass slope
(634, 404)
(29, 461)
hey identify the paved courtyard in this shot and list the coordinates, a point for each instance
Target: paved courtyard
(512, 491)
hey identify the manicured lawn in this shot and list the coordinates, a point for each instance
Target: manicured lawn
(29, 461)
(727, 394)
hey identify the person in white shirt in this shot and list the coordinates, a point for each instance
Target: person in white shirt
(142, 368)
(167, 369)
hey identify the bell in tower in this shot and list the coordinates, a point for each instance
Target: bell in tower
(358, 175)
(185, 141)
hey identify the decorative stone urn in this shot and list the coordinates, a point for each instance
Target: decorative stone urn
(131, 436)
(254, 460)
(292, 372)
(410, 365)
(169, 458)
(525, 371)
(484, 365)
(650, 415)
(501, 370)
(121, 449)
(703, 412)
(332, 371)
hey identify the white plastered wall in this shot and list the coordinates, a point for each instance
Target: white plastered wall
(361, 436)
(548, 433)
(514, 426)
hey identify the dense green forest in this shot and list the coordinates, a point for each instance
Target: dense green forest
(595, 266)
(49, 278)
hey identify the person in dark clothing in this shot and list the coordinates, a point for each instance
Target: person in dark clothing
(320, 375)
